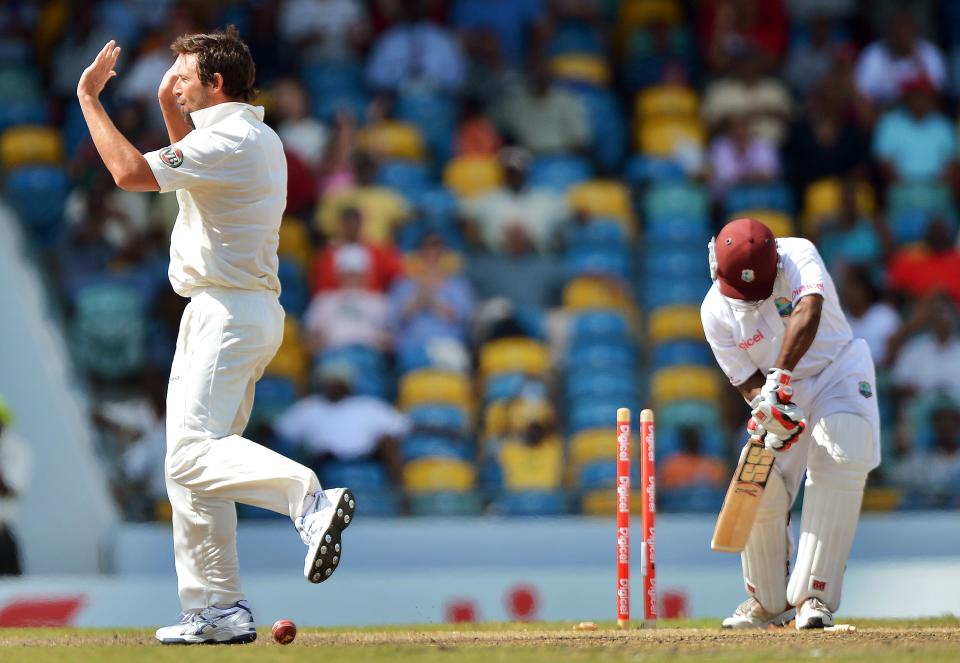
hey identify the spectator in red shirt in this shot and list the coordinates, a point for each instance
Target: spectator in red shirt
(934, 265)
(385, 263)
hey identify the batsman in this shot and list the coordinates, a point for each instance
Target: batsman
(774, 323)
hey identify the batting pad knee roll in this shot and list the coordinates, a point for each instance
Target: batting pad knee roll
(837, 471)
(764, 557)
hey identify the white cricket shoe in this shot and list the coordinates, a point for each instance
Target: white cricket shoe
(321, 527)
(813, 613)
(225, 626)
(750, 614)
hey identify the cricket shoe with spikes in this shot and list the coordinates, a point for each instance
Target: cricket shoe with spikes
(813, 614)
(321, 528)
(750, 614)
(211, 626)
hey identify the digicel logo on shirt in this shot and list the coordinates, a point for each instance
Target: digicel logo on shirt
(752, 341)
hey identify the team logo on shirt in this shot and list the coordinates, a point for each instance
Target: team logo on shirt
(746, 276)
(865, 389)
(171, 156)
(784, 306)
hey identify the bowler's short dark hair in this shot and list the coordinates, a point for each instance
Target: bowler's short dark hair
(224, 53)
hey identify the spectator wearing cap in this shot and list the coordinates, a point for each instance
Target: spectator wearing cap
(416, 53)
(516, 217)
(916, 142)
(739, 157)
(385, 263)
(14, 479)
(530, 449)
(433, 302)
(747, 91)
(886, 65)
(336, 424)
(541, 116)
(351, 314)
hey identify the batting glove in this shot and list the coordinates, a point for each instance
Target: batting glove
(777, 388)
(779, 425)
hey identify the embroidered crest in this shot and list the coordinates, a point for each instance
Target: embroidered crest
(784, 306)
(865, 389)
(171, 156)
(746, 276)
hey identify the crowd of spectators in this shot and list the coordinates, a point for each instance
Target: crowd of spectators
(473, 184)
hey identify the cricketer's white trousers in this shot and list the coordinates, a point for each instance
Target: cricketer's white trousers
(227, 338)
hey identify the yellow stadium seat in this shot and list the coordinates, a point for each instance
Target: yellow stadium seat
(602, 198)
(31, 145)
(291, 360)
(661, 136)
(603, 502)
(514, 355)
(435, 386)
(581, 68)
(294, 240)
(595, 292)
(684, 383)
(667, 100)
(675, 322)
(881, 499)
(426, 475)
(593, 444)
(392, 140)
(472, 175)
(824, 198)
(508, 416)
(778, 222)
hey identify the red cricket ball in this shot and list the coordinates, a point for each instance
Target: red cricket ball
(284, 631)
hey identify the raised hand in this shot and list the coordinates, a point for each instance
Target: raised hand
(95, 76)
(167, 84)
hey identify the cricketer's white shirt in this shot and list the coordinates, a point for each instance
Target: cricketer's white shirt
(835, 375)
(230, 175)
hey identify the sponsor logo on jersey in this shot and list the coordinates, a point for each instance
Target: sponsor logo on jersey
(807, 287)
(752, 341)
(171, 156)
(784, 306)
(865, 389)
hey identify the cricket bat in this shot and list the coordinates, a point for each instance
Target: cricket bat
(743, 498)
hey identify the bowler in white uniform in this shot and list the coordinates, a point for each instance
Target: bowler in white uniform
(773, 320)
(229, 174)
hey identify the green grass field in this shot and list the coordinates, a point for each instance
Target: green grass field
(675, 641)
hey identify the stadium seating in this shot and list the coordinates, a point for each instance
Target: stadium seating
(471, 176)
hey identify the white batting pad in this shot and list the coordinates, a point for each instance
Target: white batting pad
(837, 468)
(765, 555)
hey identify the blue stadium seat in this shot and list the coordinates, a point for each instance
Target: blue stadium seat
(408, 178)
(274, 395)
(686, 228)
(326, 107)
(600, 357)
(597, 414)
(22, 111)
(608, 129)
(39, 194)
(679, 199)
(679, 352)
(642, 169)
(440, 418)
(675, 260)
(681, 292)
(294, 293)
(444, 504)
(559, 172)
(700, 499)
(419, 445)
(912, 206)
(603, 474)
(612, 261)
(333, 78)
(609, 387)
(435, 114)
(531, 503)
(598, 233)
(758, 196)
(250, 512)
(435, 203)
(361, 476)
(571, 37)
(599, 326)
(108, 329)
(698, 413)
(503, 386)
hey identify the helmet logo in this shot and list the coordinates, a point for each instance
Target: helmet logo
(747, 275)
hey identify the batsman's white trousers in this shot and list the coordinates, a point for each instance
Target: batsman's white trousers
(227, 338)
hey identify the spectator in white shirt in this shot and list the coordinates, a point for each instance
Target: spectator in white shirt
(870, 318)
(885, 65)
(353, 314)
(737, 157)
(338, 425)
(300, 132)
(416, 52)
(927, 363)
(517, 209)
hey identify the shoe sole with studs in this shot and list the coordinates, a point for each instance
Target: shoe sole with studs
(326, 552)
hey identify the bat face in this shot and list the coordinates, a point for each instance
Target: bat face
(743, 498)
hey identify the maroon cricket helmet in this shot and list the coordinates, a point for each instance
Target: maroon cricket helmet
(746, 260)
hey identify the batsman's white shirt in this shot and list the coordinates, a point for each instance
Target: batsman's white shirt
(835, 375)
(230, 175)
(231, 182)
